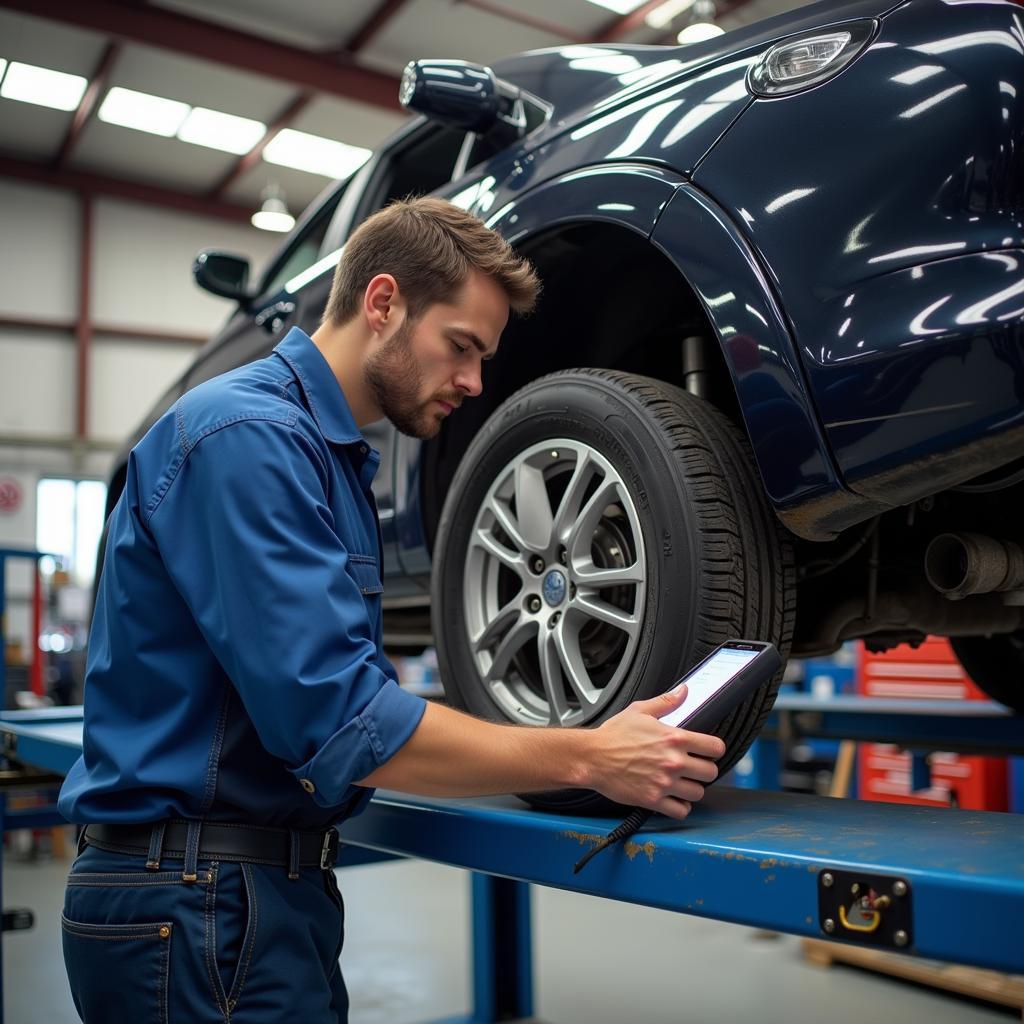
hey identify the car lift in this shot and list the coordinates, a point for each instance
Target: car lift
(940, 883)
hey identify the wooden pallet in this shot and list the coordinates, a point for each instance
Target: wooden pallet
(991, 986)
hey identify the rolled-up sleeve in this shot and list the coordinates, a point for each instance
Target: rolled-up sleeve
(248, 537)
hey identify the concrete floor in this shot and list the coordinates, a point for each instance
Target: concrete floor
(597, 962)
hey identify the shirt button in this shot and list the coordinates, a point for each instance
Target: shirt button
(307, 785)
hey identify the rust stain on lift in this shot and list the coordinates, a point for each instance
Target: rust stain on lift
(631, 849)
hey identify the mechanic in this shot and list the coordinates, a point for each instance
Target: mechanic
(238, 701)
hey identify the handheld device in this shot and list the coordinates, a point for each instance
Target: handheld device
(726, 677)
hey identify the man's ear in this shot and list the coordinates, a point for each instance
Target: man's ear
(381, 302)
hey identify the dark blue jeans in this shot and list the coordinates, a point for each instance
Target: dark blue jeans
(243, 943)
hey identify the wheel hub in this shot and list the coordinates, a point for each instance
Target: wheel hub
(554, 588)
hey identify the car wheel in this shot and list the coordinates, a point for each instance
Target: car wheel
(996, 664)
(602, 534)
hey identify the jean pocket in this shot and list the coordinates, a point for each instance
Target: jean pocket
(118, 971)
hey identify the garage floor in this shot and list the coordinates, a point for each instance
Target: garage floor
(598, 962)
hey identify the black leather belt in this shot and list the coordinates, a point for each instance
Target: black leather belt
(254, 844)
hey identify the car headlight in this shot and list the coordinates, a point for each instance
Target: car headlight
(809, 59)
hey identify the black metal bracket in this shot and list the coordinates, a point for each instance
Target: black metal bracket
(865, 908)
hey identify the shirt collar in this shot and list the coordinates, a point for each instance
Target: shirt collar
(323, 392)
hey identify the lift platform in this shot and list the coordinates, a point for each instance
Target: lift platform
(944, 884)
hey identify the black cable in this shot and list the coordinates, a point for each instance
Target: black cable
(624, 830)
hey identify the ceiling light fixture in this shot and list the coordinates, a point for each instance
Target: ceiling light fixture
(46, 88)
(618, 6)
(698, 32)
(314, 154)
(217, 130)
(143, 112)
(661, 17)
(273, 214)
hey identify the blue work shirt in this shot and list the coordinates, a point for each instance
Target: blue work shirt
(235, 667)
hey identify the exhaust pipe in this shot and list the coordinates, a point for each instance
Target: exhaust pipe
(960, 564)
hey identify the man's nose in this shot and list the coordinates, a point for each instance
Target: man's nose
(469, 381)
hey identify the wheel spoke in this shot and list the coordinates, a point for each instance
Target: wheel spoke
(533, 507)
(586, 523)
(569, 506)
(551, 675)
(518, 635)
(512, 559)
(487, 637)
(595, 609)
(504, 519)
(568, 644)
(590, 575)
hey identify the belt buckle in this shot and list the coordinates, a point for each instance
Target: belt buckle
(329, 850)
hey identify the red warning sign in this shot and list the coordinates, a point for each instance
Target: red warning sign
(10, 495)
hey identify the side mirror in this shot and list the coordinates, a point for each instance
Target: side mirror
(222, 273)
(465, 96)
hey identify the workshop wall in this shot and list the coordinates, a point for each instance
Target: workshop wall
(141, 278)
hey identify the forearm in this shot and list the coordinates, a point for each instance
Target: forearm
(452, 754)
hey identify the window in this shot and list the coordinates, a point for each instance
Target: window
(305, 250)
(69, 521)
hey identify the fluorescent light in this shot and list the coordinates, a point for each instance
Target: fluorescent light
(315, 154)
(619, 6)
(272, 220)
(204, 127)
(662, 16)
(144, 112)
(47, 88)
(698, 32)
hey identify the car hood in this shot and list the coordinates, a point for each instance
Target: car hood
(580, 80)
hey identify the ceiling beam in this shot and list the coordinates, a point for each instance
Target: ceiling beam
(511, 14)
(373, 25)
(227, 47)
(628, 23)
(88, 184)
(250, 159)
(97, 83)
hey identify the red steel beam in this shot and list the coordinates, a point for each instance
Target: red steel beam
(97, 83)
(91, 184)
(373, 25)
(83, 322)
(250, 159)
(30, 323)
(620, 27)
(228, 47)
(511, 14)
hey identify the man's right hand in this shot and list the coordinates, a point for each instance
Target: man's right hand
(641, 762)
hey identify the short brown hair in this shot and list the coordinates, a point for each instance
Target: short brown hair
(430, 247)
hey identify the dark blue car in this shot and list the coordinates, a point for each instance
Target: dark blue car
(775, 385)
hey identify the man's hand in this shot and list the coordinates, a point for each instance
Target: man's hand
(632, 758)
(639, 761)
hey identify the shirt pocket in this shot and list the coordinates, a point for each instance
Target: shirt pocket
(363, 569)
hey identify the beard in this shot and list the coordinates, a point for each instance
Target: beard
(395, 379)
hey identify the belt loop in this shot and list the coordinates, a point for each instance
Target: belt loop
(156, 846)
(191, 872)
(83, 839)
(293, 854)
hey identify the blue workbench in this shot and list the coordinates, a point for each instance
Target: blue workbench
(753, 858)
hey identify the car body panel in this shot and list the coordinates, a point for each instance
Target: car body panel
(901, 342)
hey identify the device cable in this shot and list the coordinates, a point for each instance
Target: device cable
(627, 827)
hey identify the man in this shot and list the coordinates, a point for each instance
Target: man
(238, 701)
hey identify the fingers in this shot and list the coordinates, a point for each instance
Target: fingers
(673, 808)
(699, 769)
(663, 703)
(703, 744)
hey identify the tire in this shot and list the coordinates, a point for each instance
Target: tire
(658, 487)
(996, 664)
